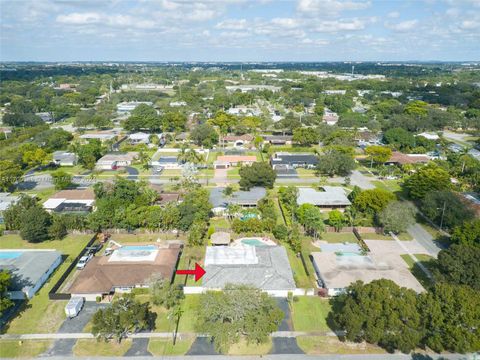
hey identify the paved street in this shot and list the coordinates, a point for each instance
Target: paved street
(425, 239)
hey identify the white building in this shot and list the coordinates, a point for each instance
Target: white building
(127, 107)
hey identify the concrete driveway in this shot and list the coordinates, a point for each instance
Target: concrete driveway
(220, 176)
(361, 180)
(388, 247)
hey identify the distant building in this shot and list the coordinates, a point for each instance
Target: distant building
(238, 140)
(329, 198)
(29, 270)
(227, 161)
(45, 116)
(399, 158)
(167, 162)
(335, 92)
(330, 117)
(140, 138)
(245, 199)
(127, 107)
(64, 158)
(100, 135)
(278, 139)
(283, 160)
(6, 200)
(249, 88)
(115, 160)
(178, 103)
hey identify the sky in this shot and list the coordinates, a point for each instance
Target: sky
(239, 30)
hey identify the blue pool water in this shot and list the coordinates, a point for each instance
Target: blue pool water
(139, 248)
(10, 254)
(253, 242)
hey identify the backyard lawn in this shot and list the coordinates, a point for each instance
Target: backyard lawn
(220, 223)
(333, 237)
(310, 314)
(165, 347)
(41, 315)
(92, 347)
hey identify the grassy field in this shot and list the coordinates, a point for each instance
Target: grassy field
(242, 348)
(310, 313)
(301, 278)
(40, 315)
(23, 349)
(189, 256)
(92, 347)
(165, 347)
(338, 237)
(314, 345)
(389, 185)
(42, 194)
(189, 307)
(162, 323)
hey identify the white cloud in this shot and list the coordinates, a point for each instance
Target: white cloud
(402, 26)
(116, 20)
(232, 24)
(340, 25)
(286, 22)
(469, 24)
(330, 7)
(79, 18)
(393, 14)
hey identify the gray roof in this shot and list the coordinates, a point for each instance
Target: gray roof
(29, 267)
(251, 197)
(295, 159)
(6, 199)
(270, 272)
(331, 196)
(64, 156)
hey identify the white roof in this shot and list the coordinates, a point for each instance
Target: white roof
(333, 195)
(225, 255)
(139, 136)
(51, 204)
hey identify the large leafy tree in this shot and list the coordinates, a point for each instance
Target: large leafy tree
(165, 294)
(61, 179)
(380, 313)
(237, 312)
(34, 224)
(459, 264)
(378, 154)
(311, 219)
(305, 136)
(397, 216)
(467, 234)
(194, 207)
(124, 317)
(400, 138)
(258, 174)
(143, 117)
(373, 201)
(5, 301)
(204, 135)
(10, 173)
(446, 208)
(335, 162)
(427, 178)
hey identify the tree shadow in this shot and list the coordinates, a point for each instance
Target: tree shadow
(11, 313)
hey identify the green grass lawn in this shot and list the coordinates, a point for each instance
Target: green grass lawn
(23, 349)
(338, 237)
(168, 173)
(306, 173)
(206, 173)
(41, 315)
(189, 315)
(165, 347)
(426, 261)
(190, 255)
(310, 314)
(243, 348)
(233, 173)
(220, 223)
(93, 347)
(42, 194)
(314, 345)
(301, 278)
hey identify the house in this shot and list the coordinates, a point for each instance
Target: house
(429, 136)
(126, 268)
(6, 200)
(399, 158)
(238, 140)
(264, 267)
(330, 117)
(178, 103)
(278, 139)
(79, 201)
(220, 238)
(126, 107)
(241, 198)
(328, 198)
(45, 116)
(29, 270)
(283, 160)
(115, 160)
(64, 158)
(103, 136)
(244, 110)
(337, 270)
(166, 162)
(139, 138)
(249, 88)
(227, 161)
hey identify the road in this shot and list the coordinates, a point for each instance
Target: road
(425, 239)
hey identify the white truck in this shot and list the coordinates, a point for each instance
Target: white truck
(74, 306)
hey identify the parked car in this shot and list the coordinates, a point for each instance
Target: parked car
(94, 249)
(74, 306)
(83, 261)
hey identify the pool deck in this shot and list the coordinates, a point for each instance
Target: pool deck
(264, 240)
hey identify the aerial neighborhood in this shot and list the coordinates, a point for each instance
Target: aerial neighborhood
(201, 209)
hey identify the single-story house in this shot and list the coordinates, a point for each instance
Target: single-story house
(167, 162)
(102, 136)
(65, 158)
(71, 201)
(115, 160)
(242, 198)
(166, 198)
(6, 200)
(220, 238)
(328, 198)
(238, 140)
(45, 116)
(399, 158)
(29, 270)
(227, 161)
(330, 117)
(282, 160)
(336, 271)
(124, 108)
(278, 139)
(126, 268)
(264, 267)
(139, 138)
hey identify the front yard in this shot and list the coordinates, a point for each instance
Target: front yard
(310, 313)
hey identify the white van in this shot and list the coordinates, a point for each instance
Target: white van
(74, 306)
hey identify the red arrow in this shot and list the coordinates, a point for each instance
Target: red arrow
(198, 272)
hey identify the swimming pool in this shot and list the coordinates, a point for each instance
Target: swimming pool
(138, 248)
(346, 253)
(10, 254)
(253, 242)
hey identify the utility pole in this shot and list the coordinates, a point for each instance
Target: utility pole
(443, 213)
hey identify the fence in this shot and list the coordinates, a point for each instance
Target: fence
(360, 229)
(52, 294)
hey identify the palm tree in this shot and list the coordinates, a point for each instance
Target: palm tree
(144, 159)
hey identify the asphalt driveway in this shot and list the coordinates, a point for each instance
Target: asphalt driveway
(202, 346)
(139, 348)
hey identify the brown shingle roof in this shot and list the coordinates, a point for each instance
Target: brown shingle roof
(82, 194)
(398, 157)
(101, 276)
(236, 158)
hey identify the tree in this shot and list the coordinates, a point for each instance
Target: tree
(204, 135)
(239, 311)
(124, 317)
(258, 174)
(143, 117)
(467, 234)
(165, 294)
(450, 318)
(197, 233)
(194, 207)
(446, 209)
(428, 178)
(61, 179)
(280, 232)
(373, 201)
(10, 173)
(400, 138)
(5, 301)
(35, 157)
(305, 136)
(380, 313)
(397, 216)
(378, 154)
(336, 219)
(334, 162)
(459, 265)
(34, 224)
(89, 153)
(58, 229)
(173, 121)
(310, 218)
